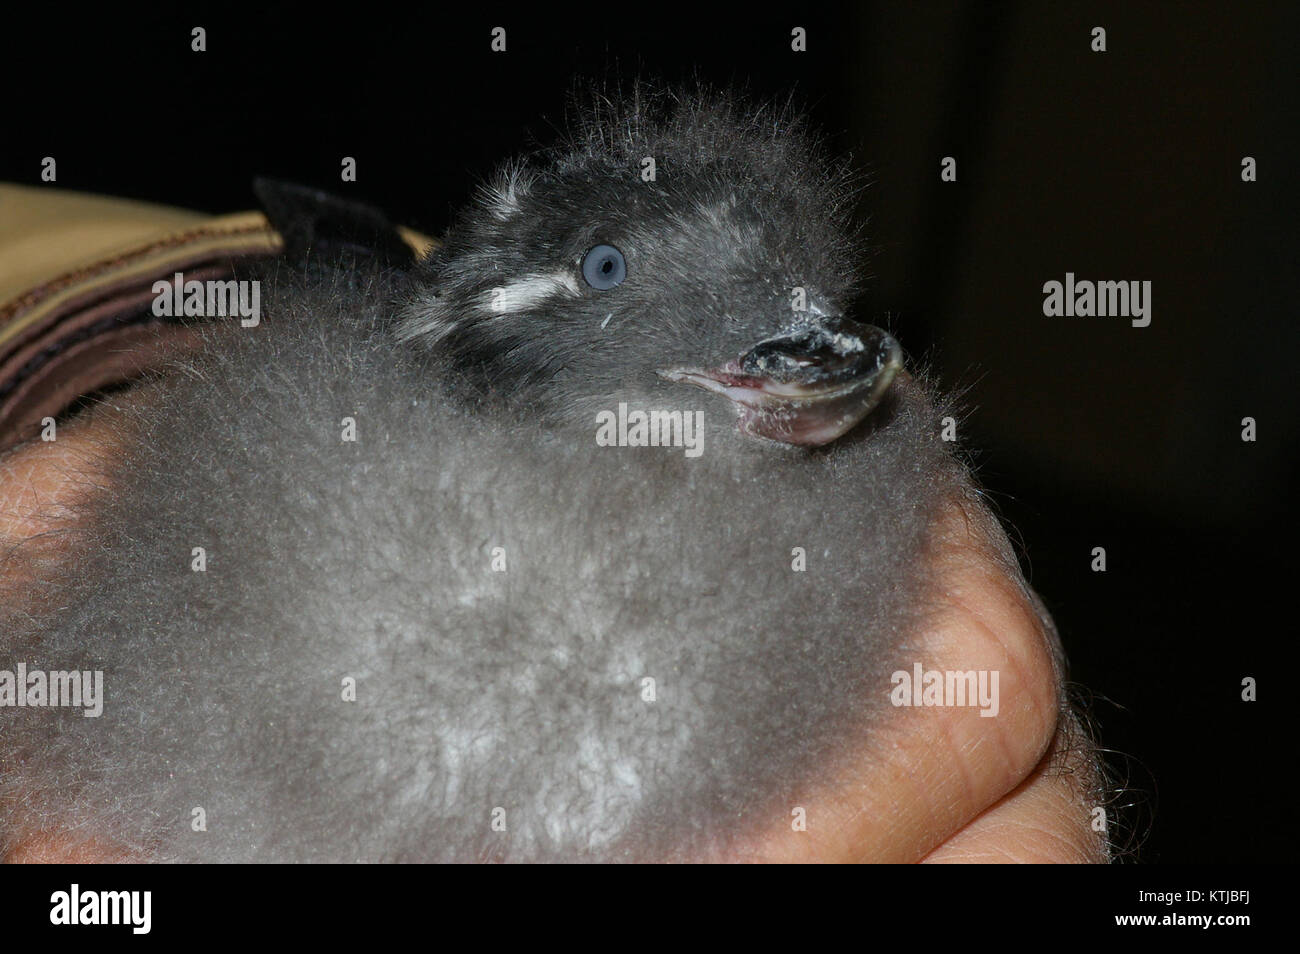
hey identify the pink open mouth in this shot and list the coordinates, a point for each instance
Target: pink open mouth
(808, 387)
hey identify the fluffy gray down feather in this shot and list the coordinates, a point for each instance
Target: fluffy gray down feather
(500, 587)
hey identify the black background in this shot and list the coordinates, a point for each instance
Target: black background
(1122, 165)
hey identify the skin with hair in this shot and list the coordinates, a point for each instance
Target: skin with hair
(437, 619)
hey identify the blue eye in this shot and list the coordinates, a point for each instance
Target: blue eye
(603, 267)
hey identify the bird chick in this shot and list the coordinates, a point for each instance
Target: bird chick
(681, 237)
(437, 619)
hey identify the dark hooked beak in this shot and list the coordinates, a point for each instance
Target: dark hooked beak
(807, 386)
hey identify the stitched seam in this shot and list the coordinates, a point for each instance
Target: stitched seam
(67, 279)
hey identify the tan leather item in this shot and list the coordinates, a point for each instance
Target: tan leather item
(76, 277)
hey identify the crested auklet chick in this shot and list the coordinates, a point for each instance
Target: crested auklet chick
(455, 603)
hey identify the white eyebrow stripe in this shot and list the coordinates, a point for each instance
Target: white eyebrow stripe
(528, 291)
